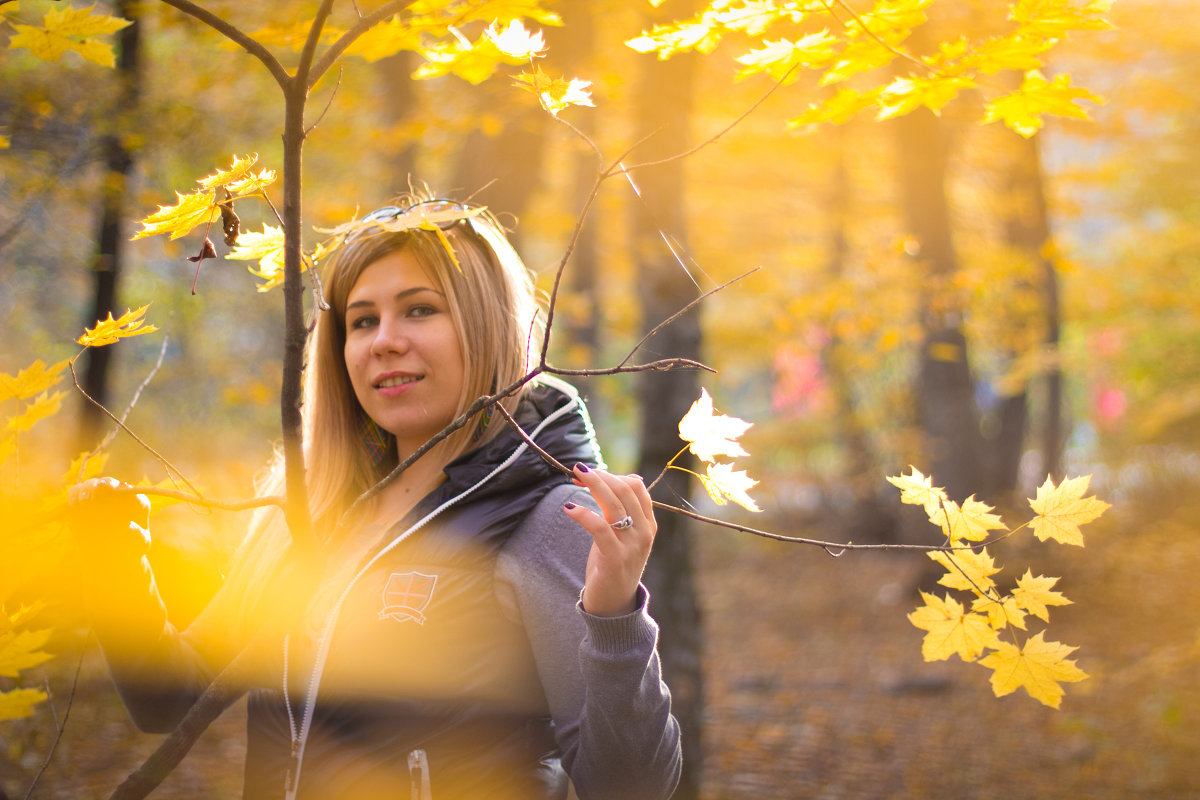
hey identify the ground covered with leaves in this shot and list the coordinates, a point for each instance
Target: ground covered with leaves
(816, 687)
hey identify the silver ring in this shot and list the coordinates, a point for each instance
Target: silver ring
(623, 523)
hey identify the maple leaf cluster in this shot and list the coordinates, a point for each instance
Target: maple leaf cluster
(710, 435)
(793, 37)
(975, 631)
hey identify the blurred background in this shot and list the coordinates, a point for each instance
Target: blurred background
(930, 291)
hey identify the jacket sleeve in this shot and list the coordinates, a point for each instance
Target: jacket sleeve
(157, 672)
(610, 707)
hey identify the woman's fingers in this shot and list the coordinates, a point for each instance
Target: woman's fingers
(623, 534)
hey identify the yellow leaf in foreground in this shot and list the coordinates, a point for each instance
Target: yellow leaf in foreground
(267, 249)
(951, 630)
(555, 94)
(1022, 110)
(44, 406)
(34, 379)
(723, 482)
(711, 434)
(108, 331)
(918, 490)
(1039, 667)
(1000, 613)
(1034, 595)
(1061, 510)
(238, 170)
(21, 650)
(19, 703)
(966, 570)
(197, 208)
(516, 42)
(970, 521)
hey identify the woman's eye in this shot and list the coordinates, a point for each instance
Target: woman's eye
(359, 323)
(422, 311)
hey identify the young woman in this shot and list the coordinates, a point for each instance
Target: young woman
(478, 629)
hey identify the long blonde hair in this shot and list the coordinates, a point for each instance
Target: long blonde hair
(494, 311)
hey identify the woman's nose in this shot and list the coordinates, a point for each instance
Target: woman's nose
(389, 338)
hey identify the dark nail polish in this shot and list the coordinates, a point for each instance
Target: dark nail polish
(568, 506)
(582, 467)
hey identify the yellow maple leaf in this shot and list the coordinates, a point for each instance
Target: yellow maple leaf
(723, 482)
(1055, 19)
(19, 703)
(778, 58)
(240, 169)
(70, 30)
(34, 379)
(197, 208)
(711, 434)
(386, 39)
(1000, 613)
(108, 331)
(667, 40)
(22, 649)
(1022, 110)
(918, 490)
(555, 94)
(951, 630)
(267, 249)
(971, 521)
(44, 406)
(516, 42)
(1039, 667)
(1034, 595)
(904, 95)
(966, 569)
(1061, 510)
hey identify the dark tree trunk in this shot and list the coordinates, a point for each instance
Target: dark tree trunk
(399, 103)
(946, 407)
(663, 106)
(110, 242)
(868, 518)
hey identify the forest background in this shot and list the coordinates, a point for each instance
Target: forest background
(813, 681)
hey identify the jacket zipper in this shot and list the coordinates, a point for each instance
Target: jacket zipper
(418, 775)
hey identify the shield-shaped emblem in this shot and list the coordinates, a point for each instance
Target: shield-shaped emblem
(406, 596)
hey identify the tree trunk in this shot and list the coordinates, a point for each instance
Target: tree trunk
(946, 407)
(868, 518)
(663, 106)
(110, 242)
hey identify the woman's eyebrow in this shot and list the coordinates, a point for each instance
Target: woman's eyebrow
(398, 296)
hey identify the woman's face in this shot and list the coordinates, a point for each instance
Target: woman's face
(402, 352)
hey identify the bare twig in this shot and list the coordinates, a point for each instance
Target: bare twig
(167, 465)
(686, 309)
(107, 440)
(60, 726)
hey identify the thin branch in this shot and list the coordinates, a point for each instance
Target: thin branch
(251, 46)
(208, 502)
(829, 547)
(310, 45)
(167, 465)
(662, 365)
(328, 105)
(60, 727)
(712, 139)
(686, 309)
(107, 440)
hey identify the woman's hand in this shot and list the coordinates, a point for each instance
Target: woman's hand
(622, 536)
(109, 521)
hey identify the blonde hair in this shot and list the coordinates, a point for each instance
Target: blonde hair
(493, 308)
